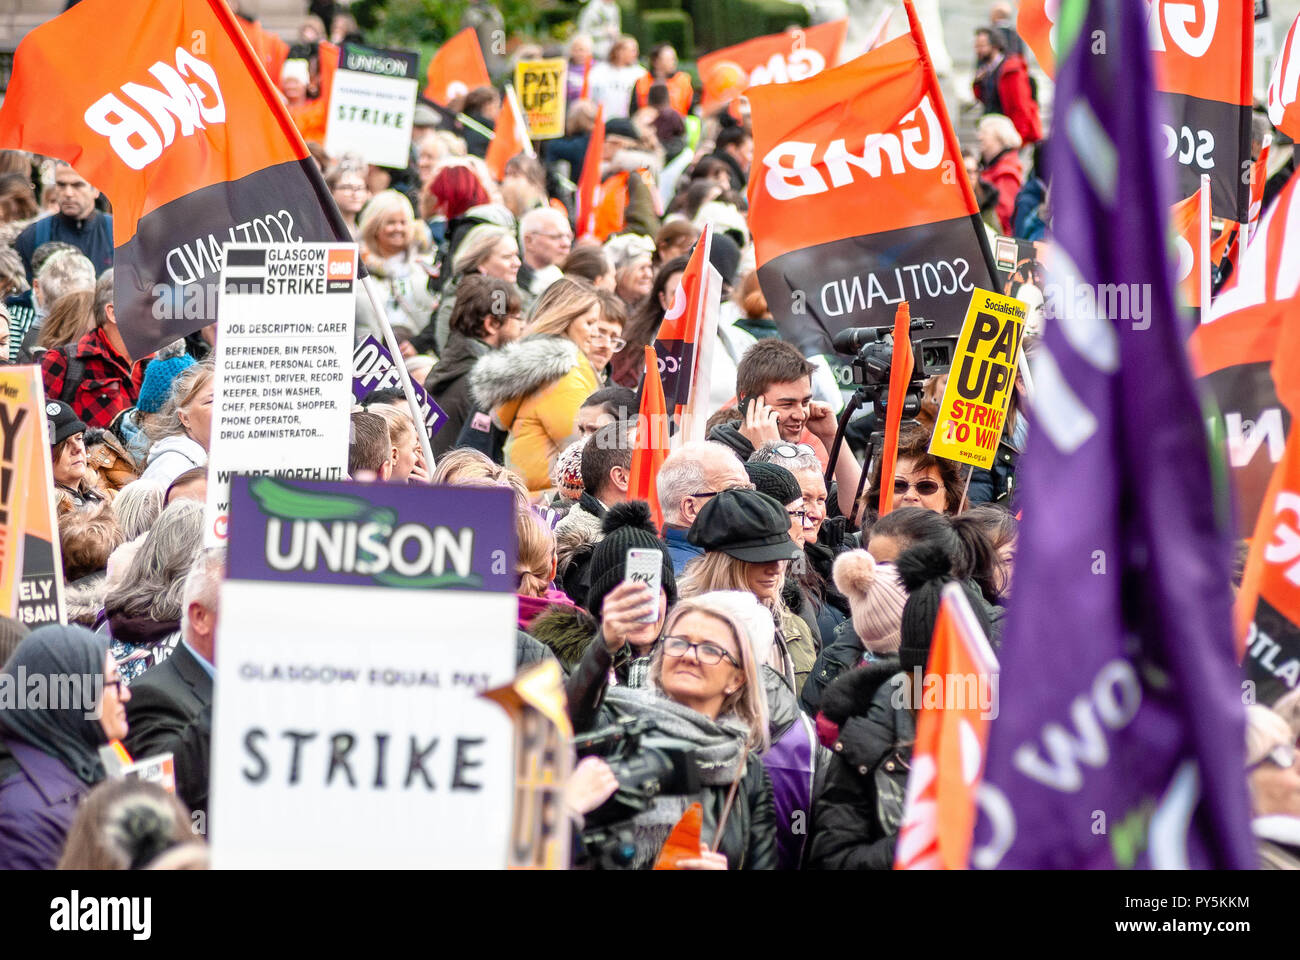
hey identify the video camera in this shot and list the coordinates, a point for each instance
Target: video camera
(872, 349)
(646, 764)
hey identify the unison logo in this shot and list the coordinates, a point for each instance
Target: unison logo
(75, 913)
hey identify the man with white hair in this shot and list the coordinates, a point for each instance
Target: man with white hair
(547, 238)
(692, 474)
(170, 710)
(64, 272)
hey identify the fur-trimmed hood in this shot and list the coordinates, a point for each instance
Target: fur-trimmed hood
(566, 632)
(576, 533)
(520, 369)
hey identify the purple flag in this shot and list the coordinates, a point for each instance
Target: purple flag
(1120, 740)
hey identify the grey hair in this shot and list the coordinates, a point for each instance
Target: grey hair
(65, 272)
(539, 218)
(185, 387)
(154, 583)
(477, 246)
(767, 454)
(203, 584)
(682, 474)
(103, 296)
(138, 505)
(1003, 128)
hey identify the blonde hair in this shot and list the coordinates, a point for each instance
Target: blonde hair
(379, 206)
(564, 301)
(70, 318)
(1265, 730)
(466, 467)
(749, 702)
(1003, 129)
(477, 246)
(187, 386)
(536, 557)
(400, 428)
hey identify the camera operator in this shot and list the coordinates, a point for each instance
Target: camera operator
(704, 689)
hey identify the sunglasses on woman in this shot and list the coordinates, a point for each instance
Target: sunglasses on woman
(707, 653)
(925, 488)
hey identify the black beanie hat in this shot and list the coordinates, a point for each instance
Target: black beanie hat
(774, 480)
(924, 569)
(724, 254)
(744, 524)
(626, 526)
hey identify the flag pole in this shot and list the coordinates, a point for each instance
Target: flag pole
(404, 375)
(1204, 241)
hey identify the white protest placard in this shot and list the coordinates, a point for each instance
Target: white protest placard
(360, 622)
(282, 394)
(372, 105)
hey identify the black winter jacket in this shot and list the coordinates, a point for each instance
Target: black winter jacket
(448, 385)
(749, 837)
(848, 832)
(843, 653)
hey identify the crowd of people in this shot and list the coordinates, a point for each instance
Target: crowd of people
(787, 605)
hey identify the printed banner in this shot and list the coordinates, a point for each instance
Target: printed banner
(777, 58)
(858, 200)
(540, 85)
(373, 369)
(174, 118)
(281, 398)
(372, 105)
(31, 569)
(973, 411)
(337, 744)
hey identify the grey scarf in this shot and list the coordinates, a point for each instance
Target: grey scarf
(719, 754)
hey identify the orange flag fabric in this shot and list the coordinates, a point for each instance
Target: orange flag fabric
(510, 138)
(456, 69)
(589, 181)
(196, 149)
(684, 842)
(900, 374)
(1185, 219)
(957, 700)
(777, 58)
(651, 441)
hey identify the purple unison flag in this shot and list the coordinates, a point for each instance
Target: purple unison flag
(1120, 740)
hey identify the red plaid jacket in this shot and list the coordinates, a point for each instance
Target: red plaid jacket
(108, 383)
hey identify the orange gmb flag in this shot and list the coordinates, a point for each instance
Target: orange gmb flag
(1258, 180)
(589, 180)
(900, 375)
(777, 58)
(510, 136)
(1283, 109)
(853, 204)
(957, 699)
(684, 842)
(1036, 24)
(1185, 222)
(31, 569)
(456, 69)
(175, 119)
(1268, 605)
(651, 440)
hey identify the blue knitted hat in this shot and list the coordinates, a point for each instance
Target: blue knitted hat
(158, 378)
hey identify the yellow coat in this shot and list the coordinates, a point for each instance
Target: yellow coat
(534, 388)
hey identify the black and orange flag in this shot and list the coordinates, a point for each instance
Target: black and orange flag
(777, 58)
(652, 440)
(175, 119)
(1268, 605)
(858, 199)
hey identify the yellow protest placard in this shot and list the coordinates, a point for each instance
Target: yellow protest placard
(540, 84)
(974, 407)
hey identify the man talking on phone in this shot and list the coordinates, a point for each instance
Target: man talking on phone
(774, 393)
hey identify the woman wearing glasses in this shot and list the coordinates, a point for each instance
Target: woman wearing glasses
(746, 540)
(920, 480)
(704, 688)
(49, 755)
